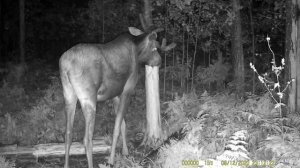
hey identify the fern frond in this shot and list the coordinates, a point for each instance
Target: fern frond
(251, 117)
(5, 163)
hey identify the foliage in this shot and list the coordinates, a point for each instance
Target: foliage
(176, 115)
(100, 23)
(285, 150)
(15, 102)
(11, 98)
(177, 72)
(208, 124)
(35, 125)
(51, 28)
(274, 86)
(207, 130)
(124, 162)
(221, 122)
(6, 164)
(236, 147)
(173, 154)
(216, 72)
(209, 16)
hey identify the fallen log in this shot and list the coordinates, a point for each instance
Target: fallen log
(55, 149)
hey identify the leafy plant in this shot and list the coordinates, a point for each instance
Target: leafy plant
(178, 111)
(12, 98)
(274, 86)
(284, 150)
(6, 164)
(216, 72)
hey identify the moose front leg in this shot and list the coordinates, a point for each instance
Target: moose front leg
(119, 118)
(116, 101)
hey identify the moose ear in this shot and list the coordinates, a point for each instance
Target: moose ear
(134, 31)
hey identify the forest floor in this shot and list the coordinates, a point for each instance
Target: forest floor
(197, 125)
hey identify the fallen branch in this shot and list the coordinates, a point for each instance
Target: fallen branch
(55, 149)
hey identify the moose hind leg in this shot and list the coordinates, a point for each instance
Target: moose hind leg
(70, 107)
(70, 112)
(86, 93)
(89, 110)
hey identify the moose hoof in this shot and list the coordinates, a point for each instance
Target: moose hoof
(125, 152)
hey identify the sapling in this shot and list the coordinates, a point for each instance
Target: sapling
(276, 87)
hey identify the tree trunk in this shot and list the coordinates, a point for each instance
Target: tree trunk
(153, 132)
(187, 58)
(253, 45)
(22, 30)
(152, 104)
(195, 52)
(292, 53)
(165, 54)
(182, 63)
(103, 21)
(173, 64)
(220, 84)
(1, 34)
(237, 48)
(297, 62)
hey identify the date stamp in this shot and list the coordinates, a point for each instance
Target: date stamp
(226, 163)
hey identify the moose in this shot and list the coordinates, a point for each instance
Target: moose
(94, 73)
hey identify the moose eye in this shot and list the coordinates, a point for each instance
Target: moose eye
(154, 49)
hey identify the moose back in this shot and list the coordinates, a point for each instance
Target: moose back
(98, 72)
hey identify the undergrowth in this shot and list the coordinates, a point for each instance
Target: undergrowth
(228, 129)
(213, 124)
(220, 118)
(5, 163)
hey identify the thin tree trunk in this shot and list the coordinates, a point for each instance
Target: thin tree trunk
(220, 84)
(22, 30)
(187, 58)
(182, 61)
(209, 84)
(297, 62)
(291, 52)
(204, 58)
(237, 49)
(297, 57)
(152, 105)
(103, 38)
(1, 34)
(173, 56)
(195, 52)
(165, 54)
(253, 45)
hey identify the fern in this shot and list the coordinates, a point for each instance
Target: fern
(123, 162)
(216, 72)
(171, 156)
(285, 150)
(178, 110)
(294, 120)
(6, 164)
(250, 117)
(235, 149)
